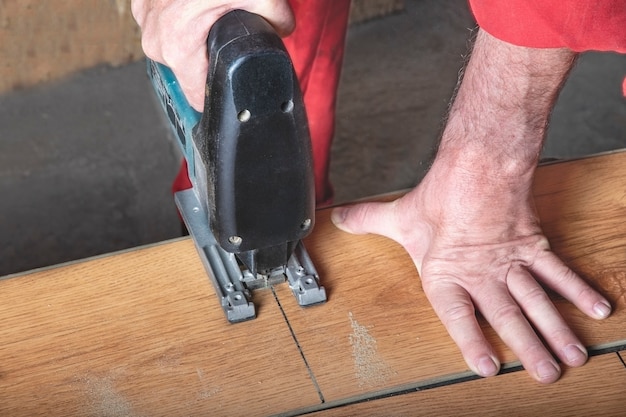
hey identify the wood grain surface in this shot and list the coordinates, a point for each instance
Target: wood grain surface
(378, 329)
(141, 333)
(592, 390)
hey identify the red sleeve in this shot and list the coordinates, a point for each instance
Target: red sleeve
(580, 25)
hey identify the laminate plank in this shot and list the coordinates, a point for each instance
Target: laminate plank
(594, 389)
(378, 330)
(141, 334)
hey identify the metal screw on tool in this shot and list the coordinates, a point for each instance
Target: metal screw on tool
(235, 240)
(244, 115)
(287, 106)
(305, 224)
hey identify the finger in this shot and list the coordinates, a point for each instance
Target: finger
(138, 10)
(276, 12)
(192, 79)
(365, 218)
(507, 319)
(544, 316)
(176, 36)
(548, 268)
(191, 71)
(455, 309)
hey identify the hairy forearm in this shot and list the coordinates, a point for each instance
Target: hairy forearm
(498, 120)
(491, 144)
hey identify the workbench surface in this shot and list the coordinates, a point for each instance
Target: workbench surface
(140, 333)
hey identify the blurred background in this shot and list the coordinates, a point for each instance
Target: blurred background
(87, 159)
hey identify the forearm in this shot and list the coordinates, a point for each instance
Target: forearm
(498, 120)
(492, 141)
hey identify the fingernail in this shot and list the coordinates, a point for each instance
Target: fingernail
(602, 309)
(338, 215)
(547, 371)
(575, 355)
(487, 366)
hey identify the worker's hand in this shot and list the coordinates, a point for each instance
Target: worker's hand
(478, 250)
(174, 33)
(470, 226)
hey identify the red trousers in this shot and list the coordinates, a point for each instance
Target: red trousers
(316, 48)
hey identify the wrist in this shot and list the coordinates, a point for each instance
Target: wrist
(498, 120)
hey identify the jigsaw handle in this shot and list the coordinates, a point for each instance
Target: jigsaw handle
(249, 153)
(254, 140)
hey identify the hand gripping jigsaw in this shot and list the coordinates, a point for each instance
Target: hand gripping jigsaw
(249, 161)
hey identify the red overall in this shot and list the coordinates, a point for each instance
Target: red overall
(580, 25)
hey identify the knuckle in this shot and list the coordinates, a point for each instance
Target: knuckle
(458, 311)
(562, 336)
(536, 296)
(566, 276)
(505, 314)
(534, 350)
(150, 47)
(586, 292)
(137, 9)
(359, 214)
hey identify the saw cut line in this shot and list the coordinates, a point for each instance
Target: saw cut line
(295, 339)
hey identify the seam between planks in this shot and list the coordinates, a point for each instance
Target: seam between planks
(452, 379)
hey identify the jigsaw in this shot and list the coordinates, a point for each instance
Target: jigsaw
(249, 160)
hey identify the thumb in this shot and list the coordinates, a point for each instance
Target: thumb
(365, 218)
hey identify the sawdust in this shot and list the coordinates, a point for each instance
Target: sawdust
(206, 390)
(370, 369)
(104, 399)
(170, 361)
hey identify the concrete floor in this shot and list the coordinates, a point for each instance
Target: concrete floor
(86, 164)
